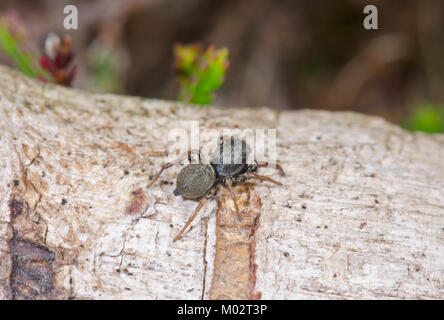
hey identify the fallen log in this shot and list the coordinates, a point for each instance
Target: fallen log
(360, 215)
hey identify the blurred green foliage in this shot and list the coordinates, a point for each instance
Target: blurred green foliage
(426, 117)
(104, 74)
(11, 47)
(200, 73)
(15, 45)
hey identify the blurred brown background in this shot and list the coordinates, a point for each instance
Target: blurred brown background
(284, 54)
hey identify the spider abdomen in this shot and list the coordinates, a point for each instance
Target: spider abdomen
(194, 180)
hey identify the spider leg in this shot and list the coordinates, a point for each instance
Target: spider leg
(253, 175)
(185, 156)
(240, 179)
(199, 206)
(257, 165)
(213, 190)
(229, 185)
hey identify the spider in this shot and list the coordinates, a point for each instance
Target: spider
(200, 180)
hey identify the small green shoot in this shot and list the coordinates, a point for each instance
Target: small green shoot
(427, 117)
(200, 73)
(12, 43)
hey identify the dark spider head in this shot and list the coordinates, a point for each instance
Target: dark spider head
(230, 158)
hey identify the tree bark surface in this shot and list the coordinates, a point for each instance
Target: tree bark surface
(360, 214)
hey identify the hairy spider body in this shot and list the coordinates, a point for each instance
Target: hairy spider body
(194, 180)
(227, 166)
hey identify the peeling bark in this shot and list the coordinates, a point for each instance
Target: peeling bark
(360, 215)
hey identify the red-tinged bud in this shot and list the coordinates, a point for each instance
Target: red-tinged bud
(69, 57)
(66, 44)
(52, 45)
(59, 60)
(46, 63)
(58, 57)
(61, 76)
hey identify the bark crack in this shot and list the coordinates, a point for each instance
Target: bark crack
(234, 275)
(205, 263)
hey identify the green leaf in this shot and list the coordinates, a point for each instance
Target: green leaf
(200, 73)
(11, 48)
(427, 117)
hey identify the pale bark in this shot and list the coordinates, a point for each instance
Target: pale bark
(360, 215)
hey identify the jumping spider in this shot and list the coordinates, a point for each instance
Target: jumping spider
(200, 180)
